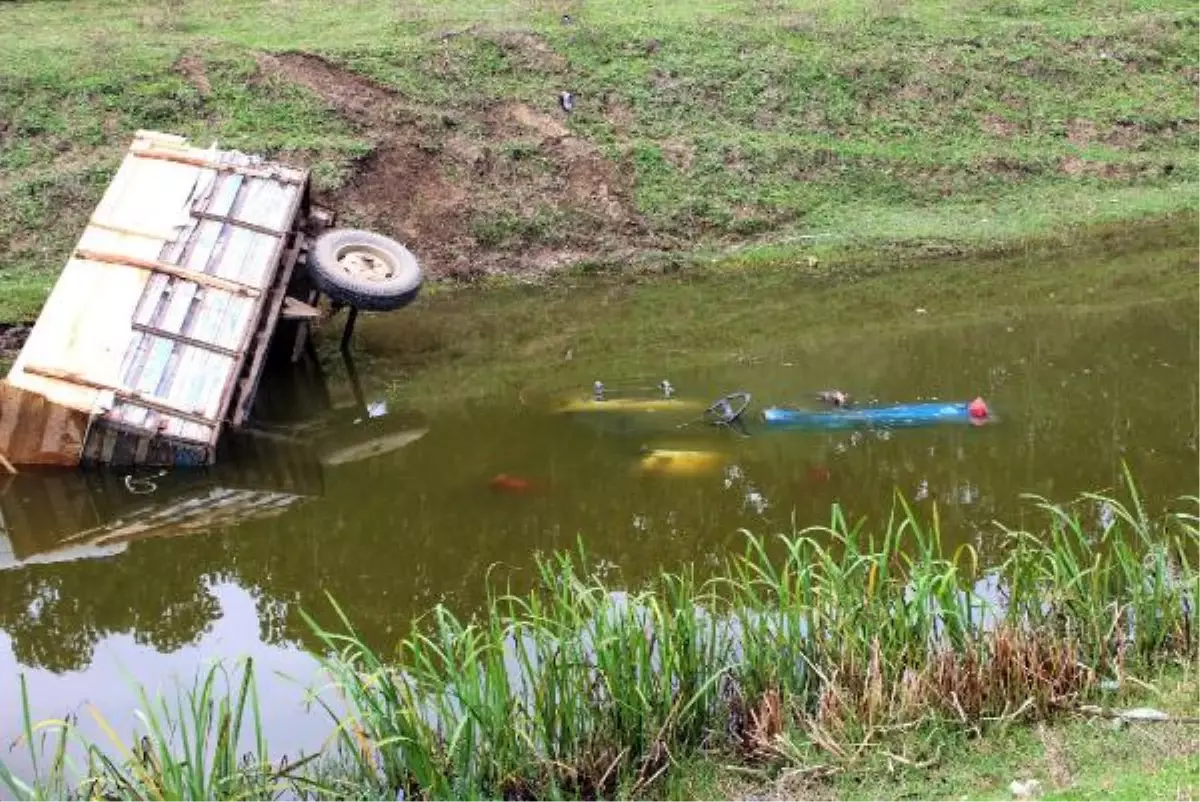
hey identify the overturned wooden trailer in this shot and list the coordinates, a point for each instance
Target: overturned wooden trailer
(153, 339)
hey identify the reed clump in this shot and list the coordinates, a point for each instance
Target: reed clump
(826, 640)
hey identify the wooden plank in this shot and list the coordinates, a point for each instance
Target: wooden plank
(238, 251)
(249, 385)
(268, 205)
(83, 326)
(178, 385)
(170, 270)
(155, 292)
(199, 380)
(173, 252)
(229, 221)
(260, 265)
(226, 192)
(295, 309)
(288, 177)
(161, 235)
(122, 393)
(206, 185)
(217, 316)
(200, 257)
(183, 338)
(232, 326)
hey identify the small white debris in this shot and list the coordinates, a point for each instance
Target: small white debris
(1145, 714)
(756, 501)
(567, 101)
(1024, 789)
(922, 491)
(921, 310)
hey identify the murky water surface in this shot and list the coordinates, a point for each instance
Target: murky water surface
(105, 578)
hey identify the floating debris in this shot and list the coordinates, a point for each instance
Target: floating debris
(680, 462)
(504, 483)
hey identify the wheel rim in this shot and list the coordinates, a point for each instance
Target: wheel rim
(727, 409)
(365, 263)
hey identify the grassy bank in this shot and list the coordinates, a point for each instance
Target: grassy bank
(927, 127)
(834, 655)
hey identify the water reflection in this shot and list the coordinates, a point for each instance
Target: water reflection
(106, 680)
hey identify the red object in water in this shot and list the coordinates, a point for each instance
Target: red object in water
(978, 409)
(818, 473)
(503, 483)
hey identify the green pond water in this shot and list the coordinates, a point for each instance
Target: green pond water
(106, 578)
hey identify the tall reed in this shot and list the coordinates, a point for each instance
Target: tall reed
(188, 746)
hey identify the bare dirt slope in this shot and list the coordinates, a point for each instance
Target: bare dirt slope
(462, 190)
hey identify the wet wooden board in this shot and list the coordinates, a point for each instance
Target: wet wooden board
(35, 430)
(167, 290)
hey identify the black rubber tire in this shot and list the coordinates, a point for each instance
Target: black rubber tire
(393, 286)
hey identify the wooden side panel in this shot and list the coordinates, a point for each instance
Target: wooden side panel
(37, 431)
(84, 329)
(116, 446)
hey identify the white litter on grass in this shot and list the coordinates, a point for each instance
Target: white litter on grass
(1144, 714)
(1024, 789)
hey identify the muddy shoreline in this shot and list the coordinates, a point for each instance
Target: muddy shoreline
(12, 338)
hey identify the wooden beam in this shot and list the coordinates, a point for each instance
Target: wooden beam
(161, 234)
(205, 163)
(221, 218)
(295, 309)
(154, 331)
(205, 279)
(249, 385)
(122, 393)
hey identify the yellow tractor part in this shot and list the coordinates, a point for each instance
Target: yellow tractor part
(632, 405)
(680, 463)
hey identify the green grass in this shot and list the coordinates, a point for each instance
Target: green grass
(833, 652)
(943, 123)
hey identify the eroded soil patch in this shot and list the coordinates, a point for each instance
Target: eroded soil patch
(12, 338)
(497, 188)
